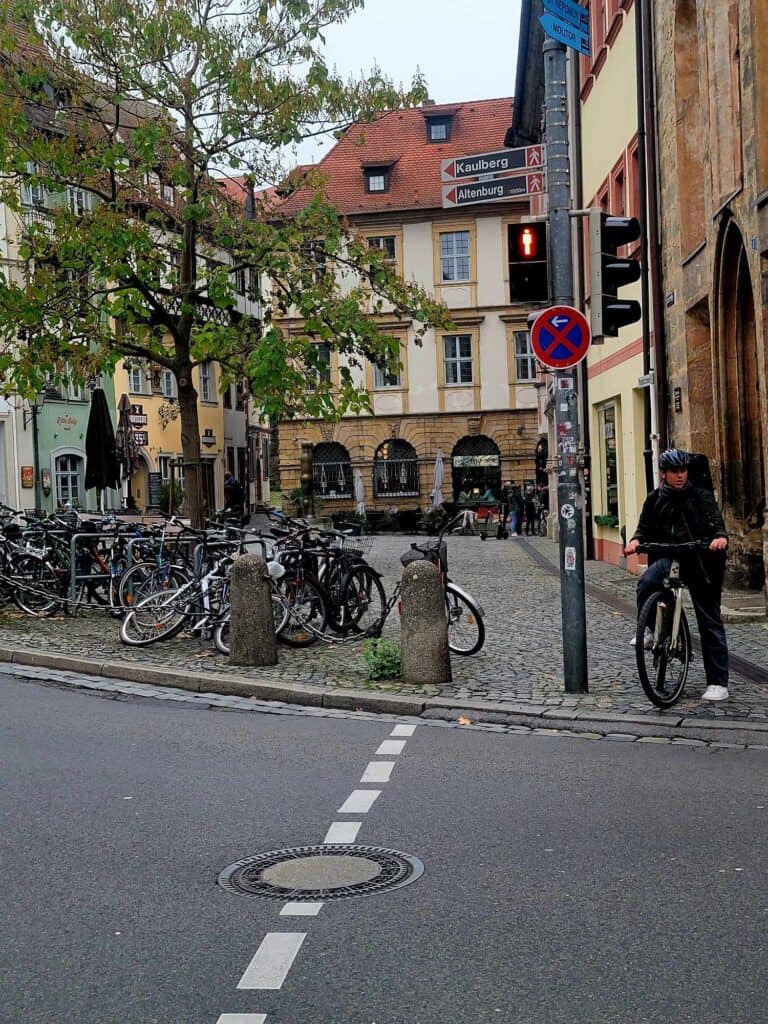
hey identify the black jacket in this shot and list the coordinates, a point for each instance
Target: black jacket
(670, 517)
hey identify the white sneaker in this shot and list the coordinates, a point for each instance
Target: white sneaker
(715, 692)
(648, 644)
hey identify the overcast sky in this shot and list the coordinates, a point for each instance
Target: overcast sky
(467, 50)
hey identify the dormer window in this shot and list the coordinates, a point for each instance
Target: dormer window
(376, 179)
(438, 128)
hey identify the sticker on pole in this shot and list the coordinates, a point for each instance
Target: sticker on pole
(570, 559)
(560, 337)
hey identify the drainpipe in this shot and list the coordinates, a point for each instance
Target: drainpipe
(654, 355)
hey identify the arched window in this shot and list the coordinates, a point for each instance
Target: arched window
(69, 481)
(395, 470)
(331, 470)
(476, 465)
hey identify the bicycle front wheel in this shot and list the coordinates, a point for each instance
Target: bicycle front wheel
(145, 578)
(466, 629)
(37, 587)
(157, 617)
(362, 602)
(662, 663)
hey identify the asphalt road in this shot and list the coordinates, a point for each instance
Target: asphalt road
(566, 880)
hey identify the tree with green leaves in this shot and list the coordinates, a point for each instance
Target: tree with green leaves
(120, 118)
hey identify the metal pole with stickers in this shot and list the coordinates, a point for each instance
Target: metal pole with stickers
(560, 338)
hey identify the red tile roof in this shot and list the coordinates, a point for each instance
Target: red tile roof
(399, 140)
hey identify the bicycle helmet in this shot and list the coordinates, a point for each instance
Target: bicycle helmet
(674, 458)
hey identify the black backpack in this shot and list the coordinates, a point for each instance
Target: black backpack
(699, 473)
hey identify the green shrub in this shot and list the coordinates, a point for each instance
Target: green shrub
(165, 495)
(382, 657)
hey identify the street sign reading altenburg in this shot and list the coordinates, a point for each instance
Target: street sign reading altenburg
(530, 184)
(498, 162)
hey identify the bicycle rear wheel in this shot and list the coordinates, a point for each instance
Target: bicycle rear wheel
(662, 665)
(362, 603)
(307, 612)
(157, 617)
(466, 629)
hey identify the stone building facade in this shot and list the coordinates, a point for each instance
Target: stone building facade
(471, 392)
(712, 100)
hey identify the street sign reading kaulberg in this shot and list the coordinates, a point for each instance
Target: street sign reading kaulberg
(498, 162)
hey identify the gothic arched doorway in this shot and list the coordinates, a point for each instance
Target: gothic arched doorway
(741, 452)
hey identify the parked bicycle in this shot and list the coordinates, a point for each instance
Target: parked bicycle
(663, 646)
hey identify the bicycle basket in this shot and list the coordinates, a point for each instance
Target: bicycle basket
(358, 547)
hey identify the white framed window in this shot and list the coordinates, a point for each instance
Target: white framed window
(207, 393)
(386, 243)
(33, 193)
(168, 384)
(320, 372)
(383, 379)
(164, 466)
(168, 193)
(454, 256)
(457, 358)
(78, 200)
(137, 380)
(68, 470)
(525, 361)
(438, 129)
(376, 179)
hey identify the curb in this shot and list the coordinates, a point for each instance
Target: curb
(539, 717)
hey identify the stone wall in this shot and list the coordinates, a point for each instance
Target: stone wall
(711, 99)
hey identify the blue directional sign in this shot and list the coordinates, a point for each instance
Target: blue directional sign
(565, 33)
(570, 12)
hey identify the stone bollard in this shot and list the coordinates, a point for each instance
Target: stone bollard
(252, 639)
(424, 656)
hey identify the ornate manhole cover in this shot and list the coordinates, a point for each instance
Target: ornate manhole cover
(328, 872)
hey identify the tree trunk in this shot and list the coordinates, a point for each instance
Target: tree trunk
(190, 447)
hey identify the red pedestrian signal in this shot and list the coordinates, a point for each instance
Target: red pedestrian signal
(528, 265)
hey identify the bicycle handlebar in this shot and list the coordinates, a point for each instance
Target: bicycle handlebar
(660, 548)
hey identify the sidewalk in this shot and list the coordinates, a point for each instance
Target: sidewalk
(518, 673)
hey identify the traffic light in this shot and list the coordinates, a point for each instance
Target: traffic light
(609, 272)
(528, 264)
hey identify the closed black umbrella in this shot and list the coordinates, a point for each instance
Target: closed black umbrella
(125, 444)
(101, 469)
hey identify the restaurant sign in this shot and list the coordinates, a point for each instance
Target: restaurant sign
(468, 461)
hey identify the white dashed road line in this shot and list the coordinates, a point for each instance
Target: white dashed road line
(390, 747)
(301, 909)
(378, 771)
(403, 730)
(342, 832)
(242, 1018)
(272, 961)
(359, 801)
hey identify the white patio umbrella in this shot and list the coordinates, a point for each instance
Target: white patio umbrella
(437, 494)
(359, 492)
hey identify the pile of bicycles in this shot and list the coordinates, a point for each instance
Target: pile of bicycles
(59, 563)
(322, 589)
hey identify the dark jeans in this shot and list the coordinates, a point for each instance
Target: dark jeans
(706, 604)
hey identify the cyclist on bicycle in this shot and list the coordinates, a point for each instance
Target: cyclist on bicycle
(674, 513)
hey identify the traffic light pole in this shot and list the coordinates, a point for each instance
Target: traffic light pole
(570, 501)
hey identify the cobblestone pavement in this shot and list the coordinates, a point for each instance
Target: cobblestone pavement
(520, 664)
